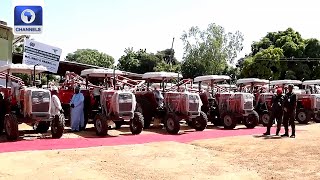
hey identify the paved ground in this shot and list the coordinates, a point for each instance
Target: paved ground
(240, 157)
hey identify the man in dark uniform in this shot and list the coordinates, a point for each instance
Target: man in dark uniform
(276, 112)
(289, 108)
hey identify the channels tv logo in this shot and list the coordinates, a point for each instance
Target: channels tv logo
(28, 19)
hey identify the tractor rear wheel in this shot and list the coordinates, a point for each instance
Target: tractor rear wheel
(11, 127)
(316, 117)
(303, 116)
(1, 124)
(229, 122)
(143, 108)
(265, 118)
(57, 126)
(200, 122)
(136, 123)
(42, 127)
(172, 124)
(252, 120)
(101, 125)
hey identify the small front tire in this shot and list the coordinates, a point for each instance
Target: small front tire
(200, 123)
(172, 124)
(101, 125)
(136, 123)
(57, 126)
(11, 127)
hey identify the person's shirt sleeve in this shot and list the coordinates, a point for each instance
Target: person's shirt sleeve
(72, 100)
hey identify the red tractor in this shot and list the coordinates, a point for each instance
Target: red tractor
(117, 103)
(233, 107)
(171, 104)
(32, 105)
(66, 92)
(262, 98)
(212, 86)
(309, 102)
(303, 112)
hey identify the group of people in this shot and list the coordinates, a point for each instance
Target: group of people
(76, 105)
(284, 111)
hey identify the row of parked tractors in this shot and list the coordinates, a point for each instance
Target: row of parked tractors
(150, 100)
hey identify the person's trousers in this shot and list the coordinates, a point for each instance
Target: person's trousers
(289, 119)
(278, 116)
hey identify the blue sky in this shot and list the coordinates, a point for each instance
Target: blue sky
(113, 25)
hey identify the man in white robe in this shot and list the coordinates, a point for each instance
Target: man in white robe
(77, 115)
(56, 107)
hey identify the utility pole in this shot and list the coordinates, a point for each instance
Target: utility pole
(171, 53)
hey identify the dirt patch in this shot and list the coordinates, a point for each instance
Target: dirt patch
(272, 157)
(149, 161)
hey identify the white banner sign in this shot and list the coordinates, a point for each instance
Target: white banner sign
(41, 54)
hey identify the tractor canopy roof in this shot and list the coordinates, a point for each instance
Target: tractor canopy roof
(252, 81)
(212, 78)
(100, 72)
(22, 68)
(311, 82)
(161, 76)
(285, 82)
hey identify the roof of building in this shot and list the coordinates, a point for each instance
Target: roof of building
(72, 66)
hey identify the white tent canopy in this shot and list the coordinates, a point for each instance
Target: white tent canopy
(311, 82)
(100, 72)
(161, 75)
(285, 82)
(255, 81)
(22, 68)
(210, 78)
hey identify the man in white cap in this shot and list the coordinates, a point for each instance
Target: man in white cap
(77, 115)
(56, 107)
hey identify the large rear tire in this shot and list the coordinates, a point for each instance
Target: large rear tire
(172, 124)
(229, 122)
(101, 125)
(303, 116)
(316, 117)
(252, 120)
(136, 123)
(11, 127)
(1, 124)
(57, 126)
(200, 123)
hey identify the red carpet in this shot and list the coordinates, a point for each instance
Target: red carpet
(70, 143)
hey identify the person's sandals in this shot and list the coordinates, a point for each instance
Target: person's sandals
(285, 135)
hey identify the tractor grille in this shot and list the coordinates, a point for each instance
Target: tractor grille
(40, 101)
(124, 107)
(248, 105)
(40, 107)
(193, 107)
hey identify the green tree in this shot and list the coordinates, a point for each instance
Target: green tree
(92, 57)
(293, 46)
(141, 61)
(257, 66)
(209, 51)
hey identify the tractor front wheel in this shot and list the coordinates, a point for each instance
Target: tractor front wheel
(11, 127)
(229, 122)
(172, 124)
(101, 125)
(200, 122)
(265, 118)
(252, 120)
(57, 126)
(136, 123)
(303, 116)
